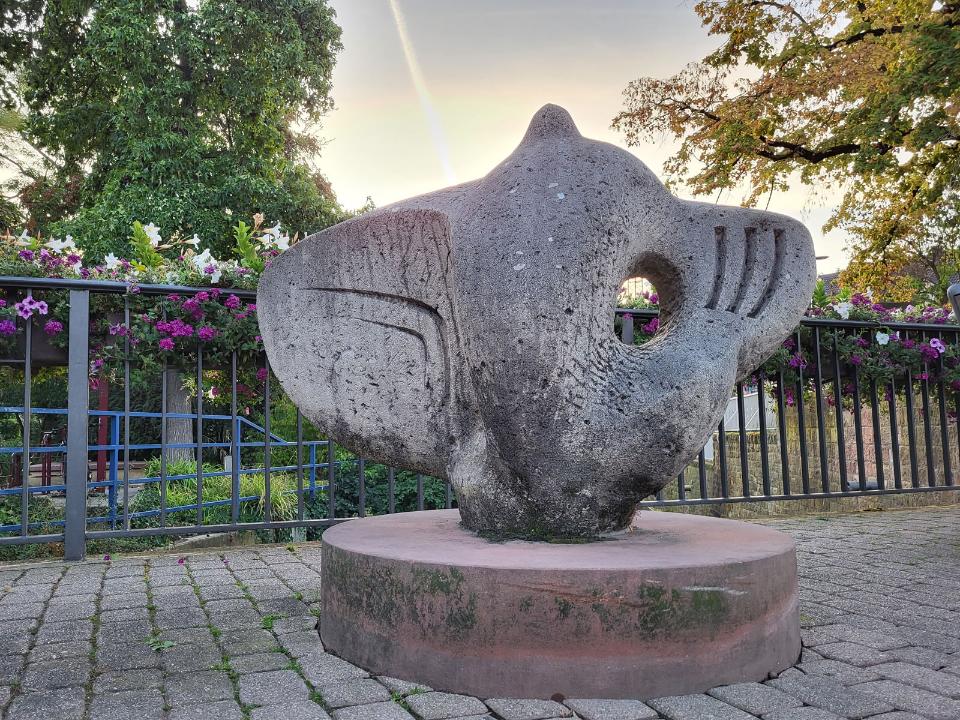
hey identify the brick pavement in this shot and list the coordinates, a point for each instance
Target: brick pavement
(230, 636)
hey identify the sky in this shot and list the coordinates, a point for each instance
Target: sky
(431, 92)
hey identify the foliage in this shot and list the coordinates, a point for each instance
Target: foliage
(186, 111)
(849, 94)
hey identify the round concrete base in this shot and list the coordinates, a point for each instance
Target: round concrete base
(678, 604)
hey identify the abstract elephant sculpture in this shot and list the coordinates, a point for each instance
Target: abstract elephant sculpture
(468, 333)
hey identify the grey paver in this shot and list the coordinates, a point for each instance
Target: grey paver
(612, 709)
(755, 698)
(117, 681)
(129, 705)
(301, 710)
(261, 662)
(190, 657)
(841, 672)
(921, 677)
(55, 674)
(199, 687)
(322, 668)
(911, 699)
(276, 687)
(517, 709)
(403, 687)
(828, 694)
(380, 711)
(361, 691)
(65, 704)
(696, 707)
(439, 705)
(220, 710)
(852, 654)
(804, 713)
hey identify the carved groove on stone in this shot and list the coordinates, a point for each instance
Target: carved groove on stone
(778, 251)
(720, 234)
(746, 275)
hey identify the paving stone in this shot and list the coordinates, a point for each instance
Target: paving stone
(696, 707)
(897, 715)
(277, 687)
(117, 681)
(261, 662)
(57, 632)
(196, 688)
(921, 677)
(852, 654)
(55, 674)
(439, 705)
(324, 669)
(19, 611)
(379, 711)
(301, 710)
(612, 709)
(125, 600)
(841, 672)
(5, 694)
(297, 624)
(249, 642)
(127, 656)
(11, 667)
(402, 687)
(14, 644)
(754, 698)
(184, 617)
(124, 615)
(65, 704)
(804, 713)
(128, 705)
(361, 691)
(74, 611)
(828, 694)
(301, 643)
(920, 656)
(222, 710)
(191, 657)
(911, 699)
(516, 709)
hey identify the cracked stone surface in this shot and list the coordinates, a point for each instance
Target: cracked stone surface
(887, 583)
(466, 333)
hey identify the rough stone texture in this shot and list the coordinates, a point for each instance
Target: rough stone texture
(680, 604)
(516, 709)
(440, 705)
(467, 333)
(612, 710)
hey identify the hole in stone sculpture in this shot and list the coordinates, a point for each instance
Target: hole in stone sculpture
(639, 295)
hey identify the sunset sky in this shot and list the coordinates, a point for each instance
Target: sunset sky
(429, 92)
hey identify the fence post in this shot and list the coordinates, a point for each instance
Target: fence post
(78, 403)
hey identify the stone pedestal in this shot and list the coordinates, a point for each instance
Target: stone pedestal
(677, 604)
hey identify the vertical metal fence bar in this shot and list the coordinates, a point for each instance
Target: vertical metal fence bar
(448, 496)
(199, 433)
(362, 487)
(821, 429)
(78, 403)
(391, 491)
(234, 443)
(877, 441)
(838, 410)
(626, 329)
(895, 436)
(764, 448)
(419, 491)
(682, 485)
(802, 428)
(126, 412)
(944, 425)
(27, 423)
(858, 430)
(299, 466)
(742, 440)
(724, 480)
(267, 495)
(163, 443)
(927, 432)
(911, 430)
(331, 480)
(782, 436)
(702, 475)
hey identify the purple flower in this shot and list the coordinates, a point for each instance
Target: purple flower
(232, 302)
(262, 374)
(202, 296)
(863, 342)
(7, 327)
(855, 360)
(118, 329)
(106, 558)
(651, 327)
(207, 333)
(26, 255)
(928, 352)
(53, 327)
(937, 344)
(166, 344)
(909, 344)
(797, 361)
(3, 303)
(923, 376)
(654, 299)
(173, 298)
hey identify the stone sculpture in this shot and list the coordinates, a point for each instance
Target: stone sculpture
(468, 333)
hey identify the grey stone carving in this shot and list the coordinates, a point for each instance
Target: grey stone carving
(468, 333)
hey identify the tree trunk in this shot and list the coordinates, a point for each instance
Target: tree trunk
(179, 430)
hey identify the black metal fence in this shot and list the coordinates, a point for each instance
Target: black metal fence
(151, 442)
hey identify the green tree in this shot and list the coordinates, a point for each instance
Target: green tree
(861, 96)
(173, 112)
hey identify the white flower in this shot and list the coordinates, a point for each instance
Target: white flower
(283, 241)
(111, 262)
(215, 277)
(843, 310)
(273, 232)
(24, 238)
(203, 259)
(883, 338)
(153, 232)
(195, 241)
(227, 211)
(60, 246)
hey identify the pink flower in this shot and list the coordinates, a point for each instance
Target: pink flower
(53, 327)
(651, 327)
(166, 344)
(202, 296)
(207, 333)
(232, 302)
(7, 327)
